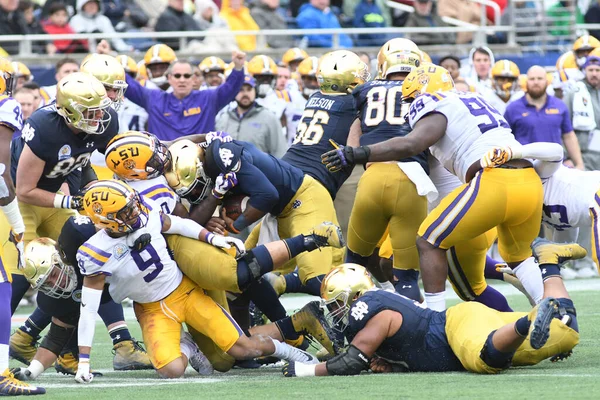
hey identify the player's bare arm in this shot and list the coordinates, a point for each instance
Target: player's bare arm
(91, 295)
(354, 134)
(29, 172)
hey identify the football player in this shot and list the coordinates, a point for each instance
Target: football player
(131, 116)
(391, 333)
(328, 115)
(264, 70)
(23, 74)
(308, 74)
(213, 70)
(274, 187)
(11, 120)
(387, 193)
(157, 60)
(49, 269)
(139, 159)
(130, 254)
(293, 57)
(459, 128)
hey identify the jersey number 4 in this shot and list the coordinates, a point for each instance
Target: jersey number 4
(309, 133)
(382, 105)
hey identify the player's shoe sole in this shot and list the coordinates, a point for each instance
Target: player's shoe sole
(311, 321)
(547, 311)
(547, 252)
(328, 234)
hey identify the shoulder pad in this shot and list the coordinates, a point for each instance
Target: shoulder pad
(421, 106)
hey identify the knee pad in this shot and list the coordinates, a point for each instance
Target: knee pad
(57, 338)
(493, 357)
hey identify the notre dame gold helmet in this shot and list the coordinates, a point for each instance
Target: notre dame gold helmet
(157, 60)
(113, 205)
(341, 71)
(82, 101)
(7, 77)
(187, 176)
(111, 73)
(340, 288)
(397, 55)
(505, 75)
(428, 78)
(134, 156)
(128, 64)
(292, 57)
(46, 271)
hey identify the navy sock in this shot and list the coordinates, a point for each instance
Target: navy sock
(286, 327)
(293, 284)
(262, 294)
(352, 257)
(490, 269)
(296, 245)
(549, 270)
(493, 299)
(569, 307)
(263, 258)
(111, 312)
(36, 323)
(522, 326)
(408, 283)
(119, 333)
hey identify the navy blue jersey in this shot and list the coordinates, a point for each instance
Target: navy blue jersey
(270, 183)
(325, 117)
(50, 138)
(382, 114)
(75, 232)
(419, 345)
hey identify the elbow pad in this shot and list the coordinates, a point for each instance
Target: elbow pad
(351, 362)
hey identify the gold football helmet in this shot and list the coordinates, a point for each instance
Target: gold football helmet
(292, 57)
(583, 46)
(505, 74)
(308, 74)
(428, 78)
(425, 57)
(142, 71)
(7, 77)
(113, 205)
(46, 271)
(397, 55)
(110, 72)
(340, 288)
(212, 64)
(157, 60)
(264, 70)
(128, 64)
(82, 101)
(187, 176)
(135, 156)
(23, 73)
(341, 71)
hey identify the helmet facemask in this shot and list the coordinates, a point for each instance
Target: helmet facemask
(59, 281)
(160, 161)
(84, 118)
(264, 84)
(199, 189)
(338, 309)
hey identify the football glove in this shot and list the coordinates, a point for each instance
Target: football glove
(17, 240)
(496, 157)
(225, 242)
(223, 184)
(343, 157)
(68, 202)
(219, 135)
(83, 372)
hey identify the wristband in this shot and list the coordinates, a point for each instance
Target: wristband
(303, 370)
(13, 216)
(361, 154)
(61, 201)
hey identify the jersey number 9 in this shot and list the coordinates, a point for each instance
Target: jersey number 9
(382, 105)
(312, 132)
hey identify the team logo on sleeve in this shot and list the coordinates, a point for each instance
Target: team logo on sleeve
(76, 296)
(120, 251)
(359, 310)
(226, 156)
(28, 132)
(64, 152)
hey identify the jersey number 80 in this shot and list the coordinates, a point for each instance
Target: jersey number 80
(384, 107)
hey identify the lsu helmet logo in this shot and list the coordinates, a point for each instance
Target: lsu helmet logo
(97, 208)
(129, 164)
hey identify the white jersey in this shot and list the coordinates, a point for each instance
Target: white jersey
(568, 196)
(132, 117)
(295, 104)
(10, 113)
(158, 191)
(48, 94)
(473, 128)
(443, 180)
(495, 101)
(273, 103)
(146, 276)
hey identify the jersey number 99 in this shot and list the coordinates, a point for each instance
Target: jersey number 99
(382, 105)
(311, 133)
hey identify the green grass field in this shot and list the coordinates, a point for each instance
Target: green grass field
(575, 378)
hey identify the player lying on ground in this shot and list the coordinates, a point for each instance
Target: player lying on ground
(390, 333)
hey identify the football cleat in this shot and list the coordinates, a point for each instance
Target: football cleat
(311, 321)
(277, 281)
(198, 360)
(22, 347)
(11, 386)
(327, 234)
(547, 310)
(67, 364)
(547, 252)
(257, 317)
(129, 355)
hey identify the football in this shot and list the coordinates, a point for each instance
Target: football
(235, 205)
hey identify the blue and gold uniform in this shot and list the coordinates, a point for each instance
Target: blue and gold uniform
(278, 188)
(432, 341)
(386, 195)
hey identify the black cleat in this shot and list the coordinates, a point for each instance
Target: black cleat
(547, 310)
